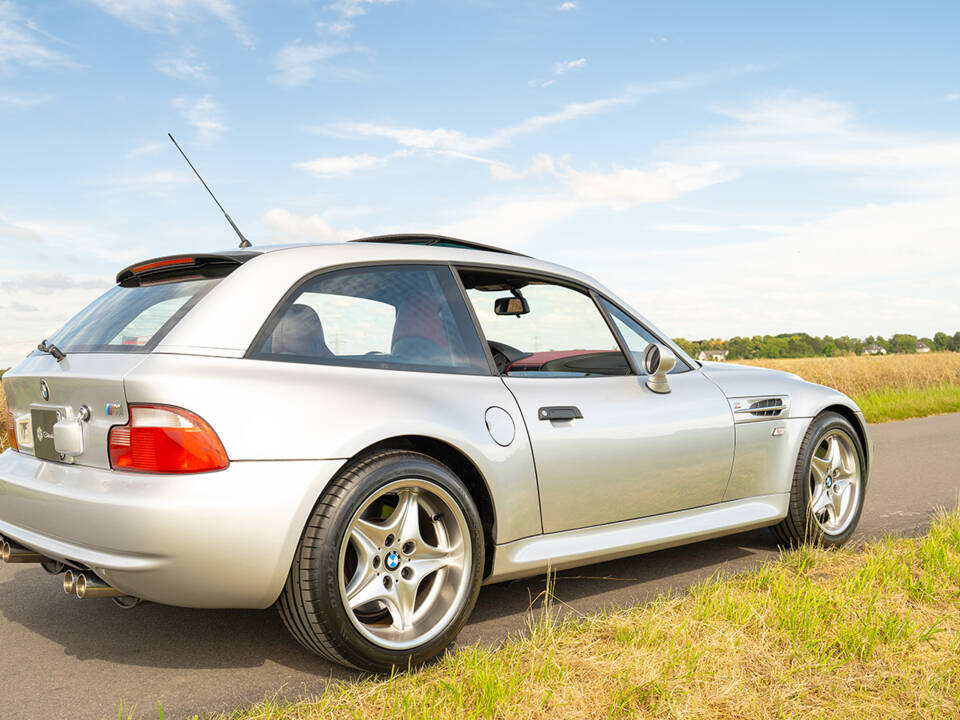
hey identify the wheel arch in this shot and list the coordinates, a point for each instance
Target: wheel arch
(461, 465)
(856, 420)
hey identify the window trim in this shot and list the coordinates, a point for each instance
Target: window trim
(252, 353)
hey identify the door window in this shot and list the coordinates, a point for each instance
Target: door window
(407, 317)
(538, 328)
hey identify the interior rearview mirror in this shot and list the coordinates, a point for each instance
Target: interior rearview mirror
(657, 361)
(511, 306)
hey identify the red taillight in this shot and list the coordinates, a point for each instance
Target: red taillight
(163, 439)
(12, 430)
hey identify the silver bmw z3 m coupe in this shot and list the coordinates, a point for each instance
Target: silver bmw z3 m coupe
(363, 434)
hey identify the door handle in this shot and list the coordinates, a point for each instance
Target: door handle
(559, 412)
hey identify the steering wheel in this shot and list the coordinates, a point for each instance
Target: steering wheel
(505, 355)
(501, 361)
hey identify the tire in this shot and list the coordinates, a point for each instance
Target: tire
(818, 514)
(356, 545)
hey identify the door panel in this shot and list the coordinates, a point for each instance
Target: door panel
(634, 453)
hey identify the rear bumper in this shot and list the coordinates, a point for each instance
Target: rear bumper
(222, 539)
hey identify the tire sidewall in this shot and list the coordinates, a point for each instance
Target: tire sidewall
(324, 564)
(821, 426)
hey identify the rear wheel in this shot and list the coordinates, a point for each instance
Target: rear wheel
(389, 565)
(826, 498)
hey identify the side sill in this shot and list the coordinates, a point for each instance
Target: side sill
(572, 548)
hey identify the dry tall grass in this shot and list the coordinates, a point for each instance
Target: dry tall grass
(849, 634)
(4, 440)
(858, 375)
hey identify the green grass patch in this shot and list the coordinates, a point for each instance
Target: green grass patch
(902, 403)
(869, 632)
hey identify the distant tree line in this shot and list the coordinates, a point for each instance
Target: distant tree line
(794, 345)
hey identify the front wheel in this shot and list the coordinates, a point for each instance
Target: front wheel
(389, 565)
(826, 498)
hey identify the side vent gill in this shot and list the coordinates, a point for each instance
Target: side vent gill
(760, 408)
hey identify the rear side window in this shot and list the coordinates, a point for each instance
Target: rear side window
(131, 319)
(404, 317)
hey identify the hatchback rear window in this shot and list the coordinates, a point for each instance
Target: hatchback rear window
(131, 319)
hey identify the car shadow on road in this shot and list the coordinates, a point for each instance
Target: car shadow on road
(161, 636)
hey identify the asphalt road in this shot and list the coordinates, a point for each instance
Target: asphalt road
(60, 657)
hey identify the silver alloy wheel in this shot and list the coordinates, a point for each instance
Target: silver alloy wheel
(405, 564)
(834, 482)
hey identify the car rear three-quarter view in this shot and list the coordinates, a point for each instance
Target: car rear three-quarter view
(364, 433)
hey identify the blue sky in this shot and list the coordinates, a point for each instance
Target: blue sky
(729, 168)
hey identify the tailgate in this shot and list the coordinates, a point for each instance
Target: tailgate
(83, 380)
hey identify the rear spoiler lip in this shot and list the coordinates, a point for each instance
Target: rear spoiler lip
(228, 257)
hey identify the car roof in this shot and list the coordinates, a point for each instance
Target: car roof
(407, 248)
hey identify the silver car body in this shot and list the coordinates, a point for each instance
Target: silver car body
(640, 471)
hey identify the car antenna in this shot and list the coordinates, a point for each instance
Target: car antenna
(244, 243)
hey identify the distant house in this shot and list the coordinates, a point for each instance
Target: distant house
(873, 349)
(713, 355)
(922, 347)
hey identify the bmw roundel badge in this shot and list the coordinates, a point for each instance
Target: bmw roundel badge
(44, 390)
(392, 561)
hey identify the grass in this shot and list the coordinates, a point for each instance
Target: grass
(886, 387)
(872, 632)
(4, 440)
(858, 374)
(899, 404)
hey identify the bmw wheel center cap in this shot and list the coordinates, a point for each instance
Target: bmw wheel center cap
(392, 561)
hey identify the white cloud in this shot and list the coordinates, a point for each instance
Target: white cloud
(705, 229)
(160, 179)
(624, 188)
(879, 268)
(789, 129)
(145, 148)
(20, 42)
(184, 66)
(952, 97)
(562, 68)
(67, 237)
(169, 14)
(284, 226)
(203, 114)
(337, 27)
(298, 63)
(46, 283)
(355, 8)
(565, 6)
(24, 100)
(342, 165)
(457, 143)
(525, 217)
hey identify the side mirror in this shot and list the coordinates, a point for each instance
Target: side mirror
(657, 361)
(511, 306)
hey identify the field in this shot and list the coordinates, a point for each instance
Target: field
(870, 632)
(4, 440)
(887, 387)
(857, 375)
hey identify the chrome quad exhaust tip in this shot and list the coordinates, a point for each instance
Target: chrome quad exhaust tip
(85, 584)
(70, 581)
(12, 553)
(88, 585)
